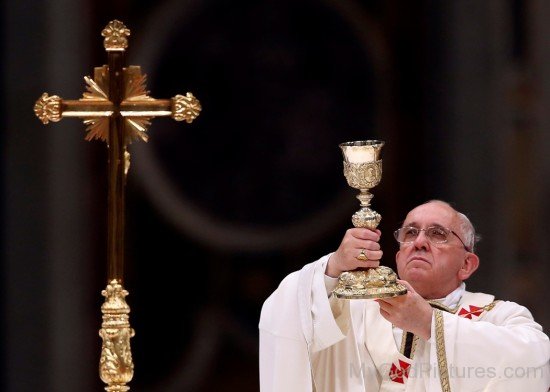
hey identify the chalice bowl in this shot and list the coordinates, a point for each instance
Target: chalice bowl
(363, 171)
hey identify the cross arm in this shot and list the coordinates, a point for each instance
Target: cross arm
(54, 108)
(180, 108)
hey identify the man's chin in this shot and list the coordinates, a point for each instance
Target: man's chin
(415, 274)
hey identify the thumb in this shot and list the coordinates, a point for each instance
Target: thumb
(407, 285)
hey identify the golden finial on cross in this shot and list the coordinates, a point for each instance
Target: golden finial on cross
(117, 109)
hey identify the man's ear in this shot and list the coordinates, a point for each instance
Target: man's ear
(470, 265)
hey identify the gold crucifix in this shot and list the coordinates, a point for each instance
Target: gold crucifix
(117, 110)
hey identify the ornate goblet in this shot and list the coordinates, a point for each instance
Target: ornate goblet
(363, 171)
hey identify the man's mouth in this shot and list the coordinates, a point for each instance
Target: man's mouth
(418, 258)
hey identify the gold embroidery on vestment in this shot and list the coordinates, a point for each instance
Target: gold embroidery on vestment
(440, 349)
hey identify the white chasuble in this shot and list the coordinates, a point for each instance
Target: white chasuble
(392, 366)
(310, 342)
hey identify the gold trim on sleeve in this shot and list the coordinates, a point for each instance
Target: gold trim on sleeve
(491, 305)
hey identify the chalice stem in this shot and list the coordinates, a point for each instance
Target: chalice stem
(365, 197)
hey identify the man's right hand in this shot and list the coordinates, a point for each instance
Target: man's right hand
(355, 240)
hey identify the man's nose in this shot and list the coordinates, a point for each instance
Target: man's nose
(421, 241)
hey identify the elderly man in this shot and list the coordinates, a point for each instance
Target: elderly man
(437, 337)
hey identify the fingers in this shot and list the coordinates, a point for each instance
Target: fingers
(407, 285)
(355, 242)
(362, 239)
(368, 264)
(391, 306)
(373, 255)
(409, 312)
(384, 314)
(388, 310)
(386, 306)
(365, 234)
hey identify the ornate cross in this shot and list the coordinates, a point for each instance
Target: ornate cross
(116, 109)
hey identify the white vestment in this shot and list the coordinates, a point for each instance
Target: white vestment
(310, 341)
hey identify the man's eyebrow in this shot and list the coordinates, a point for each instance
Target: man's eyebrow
(415, 224)
(410, 224)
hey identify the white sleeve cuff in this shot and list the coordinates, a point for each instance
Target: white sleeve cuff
(330, 284)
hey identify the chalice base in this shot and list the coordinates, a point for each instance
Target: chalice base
(379, 282)
(117, 388)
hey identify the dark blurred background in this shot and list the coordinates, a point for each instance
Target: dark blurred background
(219, 211)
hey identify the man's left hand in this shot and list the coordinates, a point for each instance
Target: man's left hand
(410, 312)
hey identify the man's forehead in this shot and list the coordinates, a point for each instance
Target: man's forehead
(431, 214)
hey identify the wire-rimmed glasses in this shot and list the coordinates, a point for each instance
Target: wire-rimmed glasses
(435, 234)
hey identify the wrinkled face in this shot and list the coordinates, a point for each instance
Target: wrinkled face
(434, 270)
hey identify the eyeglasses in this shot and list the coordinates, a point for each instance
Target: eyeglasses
(435, 234)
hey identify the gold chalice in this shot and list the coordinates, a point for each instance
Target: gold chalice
(363, 171)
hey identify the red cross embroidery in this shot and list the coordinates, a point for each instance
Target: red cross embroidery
(399, 372)
(474, 311)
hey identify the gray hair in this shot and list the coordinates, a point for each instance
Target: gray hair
(471, 238)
